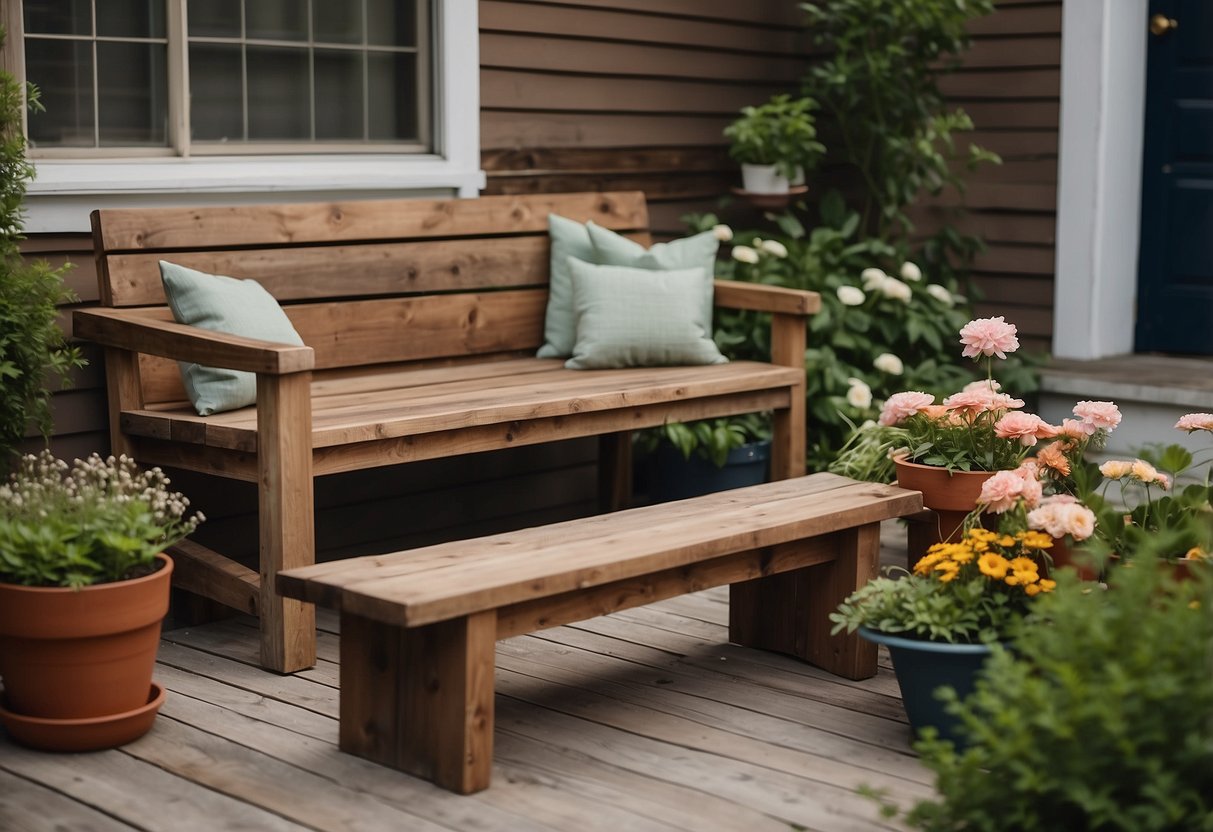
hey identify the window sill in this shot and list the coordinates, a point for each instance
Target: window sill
(65, 191)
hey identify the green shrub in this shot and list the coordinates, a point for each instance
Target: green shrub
(31, 344)
(1100, 716)
(781, 132)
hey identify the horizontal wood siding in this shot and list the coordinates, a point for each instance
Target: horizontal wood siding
(622, 94)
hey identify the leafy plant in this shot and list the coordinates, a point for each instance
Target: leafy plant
(100, 520)
(781, 132)
(879, 81)
(711, 439)
(972, 591)
(865, 343)
(31, 344)
(1096, 718)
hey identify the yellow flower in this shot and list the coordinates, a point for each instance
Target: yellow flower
(982, 535)
(964, 555)
(948, 571)
(1046, 585)
(1196, 553)
(993, 565)
(927, 562)
(1023, 571)
(1006, 540)
(1194, 605)
(1032, 589)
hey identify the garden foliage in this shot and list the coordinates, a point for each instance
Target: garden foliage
(1097, 718)
(31, 344)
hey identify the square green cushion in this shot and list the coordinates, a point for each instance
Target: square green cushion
(639, 318)
(592, 243)
(223, 304)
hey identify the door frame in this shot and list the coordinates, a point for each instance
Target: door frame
(1103, 94)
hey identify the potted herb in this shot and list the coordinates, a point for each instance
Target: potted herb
(776, 143)
(32, 346)
(940, 621)
(84, 585)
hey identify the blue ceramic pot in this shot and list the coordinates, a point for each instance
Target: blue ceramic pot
(925, 666)
(678, 478)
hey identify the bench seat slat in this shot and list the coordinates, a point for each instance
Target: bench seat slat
(446, 581)
(526, 389)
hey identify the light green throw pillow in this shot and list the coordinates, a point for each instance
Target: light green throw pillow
(569, 239)
(613, 249)
(223, 304)
(639, 318)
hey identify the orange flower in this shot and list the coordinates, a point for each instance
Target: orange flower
(1053, 457)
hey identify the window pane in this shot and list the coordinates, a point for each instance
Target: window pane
(216, 101)
(276, 19)
(279, 101)
(391, 22)
(130, 18)
(132, 94)
(58, 17)
(337, 22)
(63, 70)
(214, 18)
(339, 94)
(392, 85)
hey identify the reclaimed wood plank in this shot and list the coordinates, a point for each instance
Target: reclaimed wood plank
(400, 219)
(27, 806)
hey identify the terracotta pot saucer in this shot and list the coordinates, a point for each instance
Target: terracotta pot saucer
(91, 734)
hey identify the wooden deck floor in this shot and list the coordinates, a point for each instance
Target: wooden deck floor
(642, 720)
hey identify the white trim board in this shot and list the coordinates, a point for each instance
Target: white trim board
(1103, 79)
(66, 190)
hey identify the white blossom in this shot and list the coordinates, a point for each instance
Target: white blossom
(873, 279)
(941, 294)
(774, 248)
(910, 271)
(851, 295)
(859, 395)
(886, 362)
(894, 288)
(722, 232)
(745, 254)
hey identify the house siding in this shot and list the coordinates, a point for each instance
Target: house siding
(633, 94)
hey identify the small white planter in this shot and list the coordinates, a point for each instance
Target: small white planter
(763, 179)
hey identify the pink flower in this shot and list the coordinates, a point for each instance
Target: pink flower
(1028, 428)
(1002, 491)
(1060, 515)
(1099, 415)
(983, 384)
(901, 406)
(1195, 421)
(1032, 489)
(1075, 429)
(988, 336)
(974, 400)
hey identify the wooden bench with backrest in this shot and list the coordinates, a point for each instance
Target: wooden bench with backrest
(419, 628)
(420, 321)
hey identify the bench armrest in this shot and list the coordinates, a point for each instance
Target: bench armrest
(734, 294)
(140, 333)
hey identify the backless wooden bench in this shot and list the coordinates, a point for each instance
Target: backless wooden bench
(418, 628)
(421, 319)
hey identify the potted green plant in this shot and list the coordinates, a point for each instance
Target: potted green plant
(84, 584)
(682, 460)
(940, 621)
(32, 347)
(1097, 717)
(775, 143)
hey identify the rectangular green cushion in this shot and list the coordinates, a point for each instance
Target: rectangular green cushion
(223, 304)
(592, 243)
(629, 317)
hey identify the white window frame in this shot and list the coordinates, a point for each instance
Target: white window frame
(66, 190)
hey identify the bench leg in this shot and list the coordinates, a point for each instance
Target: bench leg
(421, 699)
(788, 341)
(286, 517)
(789, 612)
(614, 471)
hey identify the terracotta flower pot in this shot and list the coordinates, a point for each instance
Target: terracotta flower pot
(82, 654)
(1064, 557)
(950, 495)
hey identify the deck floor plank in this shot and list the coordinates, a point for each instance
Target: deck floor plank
(644, 720)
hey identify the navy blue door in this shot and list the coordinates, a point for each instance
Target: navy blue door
(1175, 272)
